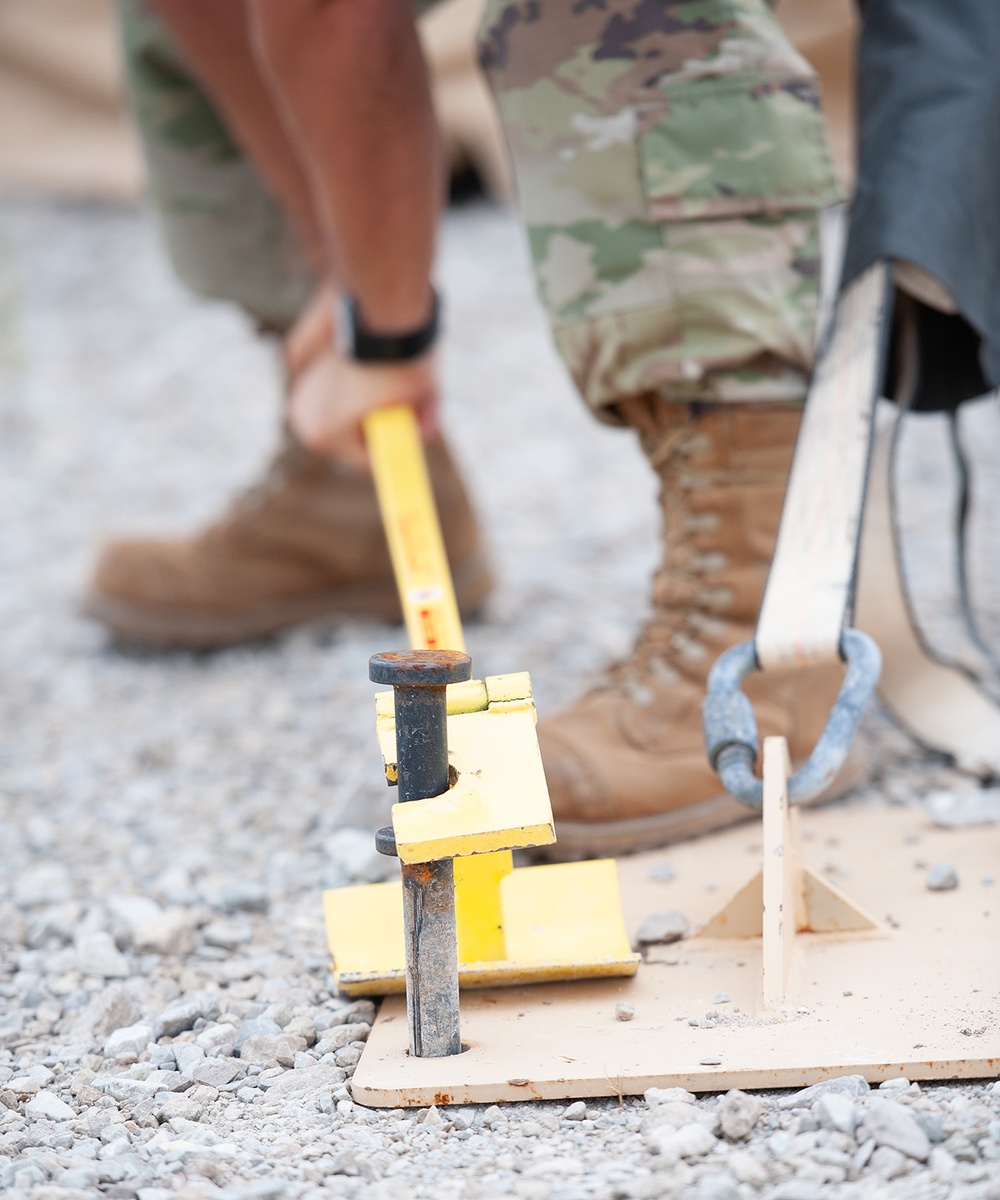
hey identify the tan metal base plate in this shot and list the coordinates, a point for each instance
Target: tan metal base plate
(919, 996)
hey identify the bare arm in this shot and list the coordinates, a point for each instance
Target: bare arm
(350, 78)
(331, 100)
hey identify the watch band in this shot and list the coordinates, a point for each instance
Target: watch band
(356, 340)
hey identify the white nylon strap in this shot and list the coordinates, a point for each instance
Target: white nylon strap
(809, 590)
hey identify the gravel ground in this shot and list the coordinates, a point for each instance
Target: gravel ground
(169, 822)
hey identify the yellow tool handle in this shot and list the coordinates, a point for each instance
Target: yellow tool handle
(413, 530)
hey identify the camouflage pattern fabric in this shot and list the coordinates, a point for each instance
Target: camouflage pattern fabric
(671, 163)
(226, 235)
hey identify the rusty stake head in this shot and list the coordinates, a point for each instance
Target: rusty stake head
(419, 668)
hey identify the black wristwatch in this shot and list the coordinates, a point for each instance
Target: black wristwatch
(355, 339)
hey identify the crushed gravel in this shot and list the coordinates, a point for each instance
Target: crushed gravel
(167, 1027)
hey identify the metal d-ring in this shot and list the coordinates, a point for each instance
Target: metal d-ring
(731, 728)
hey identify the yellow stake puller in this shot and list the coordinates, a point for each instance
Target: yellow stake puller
(430, 612)
(548, 922)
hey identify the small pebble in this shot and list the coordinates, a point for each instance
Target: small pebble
(577, 1111)
(662, 928)
(738, 1113)
(960, 809)
(942, 877)
(624, 1011)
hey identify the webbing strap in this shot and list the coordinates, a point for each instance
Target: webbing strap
(809, 591)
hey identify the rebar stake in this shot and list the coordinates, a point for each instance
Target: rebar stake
(419, 679)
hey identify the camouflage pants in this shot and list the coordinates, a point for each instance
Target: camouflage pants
(671, 165)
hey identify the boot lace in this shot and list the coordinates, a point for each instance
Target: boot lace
(672, 642)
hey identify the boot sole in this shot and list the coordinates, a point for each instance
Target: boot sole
(171, 628)
(609, 839)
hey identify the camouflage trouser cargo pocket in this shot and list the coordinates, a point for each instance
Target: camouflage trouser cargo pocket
(671, 163)
(743, 147)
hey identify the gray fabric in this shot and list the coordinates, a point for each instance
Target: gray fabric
(929, 167)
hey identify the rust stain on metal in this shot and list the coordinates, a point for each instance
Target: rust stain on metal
(421, 873)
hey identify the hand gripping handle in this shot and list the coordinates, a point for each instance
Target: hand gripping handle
(731, 728)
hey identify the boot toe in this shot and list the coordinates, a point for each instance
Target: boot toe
(138, 571)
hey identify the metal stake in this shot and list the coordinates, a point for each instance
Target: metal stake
(419, 679)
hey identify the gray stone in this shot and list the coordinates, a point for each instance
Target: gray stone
(958, 809)
(341, 1035)
(837, 1110)
(746, 1168)
(122, 1088)
(942, 877)
(187, 1056)
(656, 1096)
(57, 923)
(352, 852)
(348, 1056)
(738, 1113)
(662, 928)
(577, 1111)
(167, 932)
(109, 1010)
(941, 1164)
(179, 1016)
(676, 1113)
(662, 872)
(358, 1012)
(689, 1141)
(217, 1039)
(217, 1072)
(723, 1186)
(624, 1011)
(848, 1085)
(130, 1039)
(891, 1124)
(256, 1027)
(244, 895)
(179, 1106)
(97, 954)
(280, 1049)
(280, 1014)
(311, 1081)
(132, 910)
(932, 1125)
(888, 1163)
(47, 1105)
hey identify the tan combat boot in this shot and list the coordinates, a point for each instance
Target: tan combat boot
(626, 764)
(306, 543)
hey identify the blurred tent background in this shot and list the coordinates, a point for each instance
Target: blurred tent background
(64, 129)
